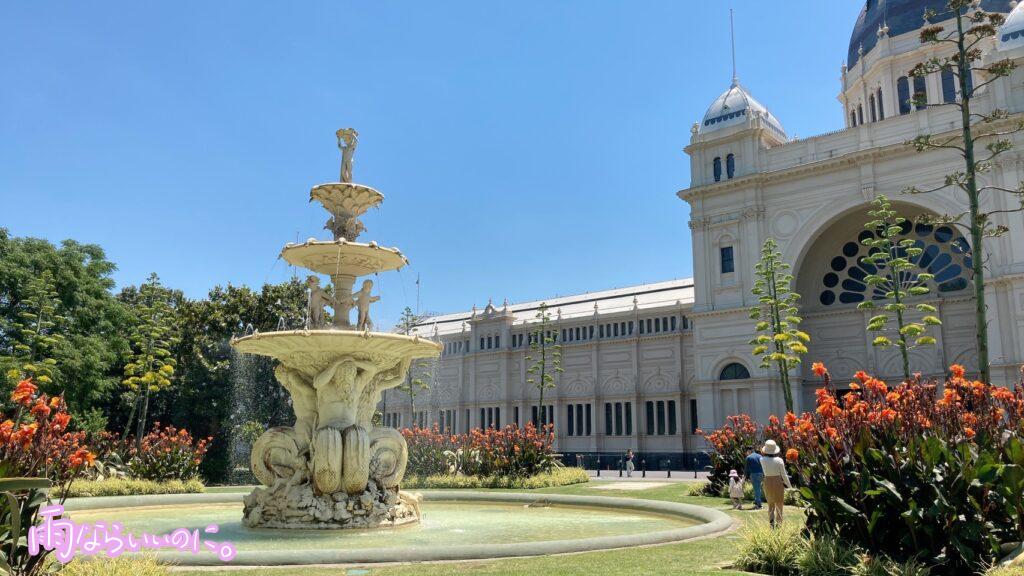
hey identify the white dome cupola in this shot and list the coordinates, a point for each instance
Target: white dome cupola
(1011, 33)
(736, 107)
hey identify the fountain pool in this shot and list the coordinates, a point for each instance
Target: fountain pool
(454, 526)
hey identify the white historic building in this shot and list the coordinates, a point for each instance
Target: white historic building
(646, 365)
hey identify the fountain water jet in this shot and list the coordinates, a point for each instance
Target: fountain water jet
(334, 468)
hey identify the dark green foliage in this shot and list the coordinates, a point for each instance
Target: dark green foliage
(92, 323)
(950, 505)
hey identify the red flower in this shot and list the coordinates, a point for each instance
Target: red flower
(819, 369)
(792, 455)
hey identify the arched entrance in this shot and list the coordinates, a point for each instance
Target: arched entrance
(831, 281)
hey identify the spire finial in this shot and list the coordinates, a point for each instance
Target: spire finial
(732, 36)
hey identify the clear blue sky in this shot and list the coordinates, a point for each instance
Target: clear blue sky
(525, 149)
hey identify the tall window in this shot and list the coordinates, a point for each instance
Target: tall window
(607, 418)
(730, 166)
(860, 114)
(672, 418)
(948, 86)
(920, 92)
(734, 371)
(650, 417)
(694, 424)
(728, 266)
(853, 118)
(903, 93)
(570, 420)
(871, 108)
(718, 168)
(881, 108)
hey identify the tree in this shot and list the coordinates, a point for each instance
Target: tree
(972, 27)
(414, 385)
(545, 359)
(151, 366)
(780, 343)
(406, 326)
(36, 334)
(894, 256)
(94, 322)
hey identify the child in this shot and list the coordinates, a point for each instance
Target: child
(735, 489)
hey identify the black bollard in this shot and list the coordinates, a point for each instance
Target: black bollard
(643, 468)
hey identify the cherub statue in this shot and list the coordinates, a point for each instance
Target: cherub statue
(317, 300)
(361, 300)
(348, 138)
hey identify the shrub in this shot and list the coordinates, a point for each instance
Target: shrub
(769, 551)
(825, 556)
(35, 441)
(511, 451)
(36, 452)
(166, 453)
(883, 566)
(123, 566)
(125, 487)
(728, 450)
(909, 473)
(556, 477)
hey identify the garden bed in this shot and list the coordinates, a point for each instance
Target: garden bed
(556, 477)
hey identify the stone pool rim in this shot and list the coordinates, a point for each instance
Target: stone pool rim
(713, 522)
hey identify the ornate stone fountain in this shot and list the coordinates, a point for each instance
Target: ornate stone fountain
(334, 468)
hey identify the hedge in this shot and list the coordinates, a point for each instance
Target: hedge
(122, 487)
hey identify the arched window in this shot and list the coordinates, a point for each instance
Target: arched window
(860, 114)
(718, 168)
(871, 108)
(734, 371)
(881, 108)
(730, 166)
(948, 86)
(945, 255)
(853, 118)
(903, 93)
(920, 92)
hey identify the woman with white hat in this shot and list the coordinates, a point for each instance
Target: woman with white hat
(776, 480)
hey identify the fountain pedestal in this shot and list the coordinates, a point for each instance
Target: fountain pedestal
(334, 468)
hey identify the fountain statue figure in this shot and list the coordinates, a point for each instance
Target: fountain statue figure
(334, 468)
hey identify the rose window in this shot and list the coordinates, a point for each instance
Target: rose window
(946, 255)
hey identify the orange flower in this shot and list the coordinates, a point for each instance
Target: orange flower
(792, 455)
(969, 432)
(40, 409)
(23, 392)
(819, 369)
(957, 370)
(80, 457)
(862, 376)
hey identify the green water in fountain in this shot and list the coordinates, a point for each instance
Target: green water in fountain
(443, 524)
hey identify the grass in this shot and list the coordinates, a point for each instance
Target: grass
(694, 558)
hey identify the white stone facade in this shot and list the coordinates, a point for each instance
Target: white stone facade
(750, 181)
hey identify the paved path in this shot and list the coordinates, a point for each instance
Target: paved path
(661, 476)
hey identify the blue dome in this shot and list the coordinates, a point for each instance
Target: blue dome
(901, 16)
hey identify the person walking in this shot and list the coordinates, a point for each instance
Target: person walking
(756, 474)
(629, 463)
(736, 490)
(776, 480)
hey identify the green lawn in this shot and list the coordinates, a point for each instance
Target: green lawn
(700, 557)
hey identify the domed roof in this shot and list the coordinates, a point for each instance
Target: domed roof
(1011, 33)
(901, 16)
(733, 107)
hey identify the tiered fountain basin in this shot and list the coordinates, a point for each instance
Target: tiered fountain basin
(333, 257)
(455, 525)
